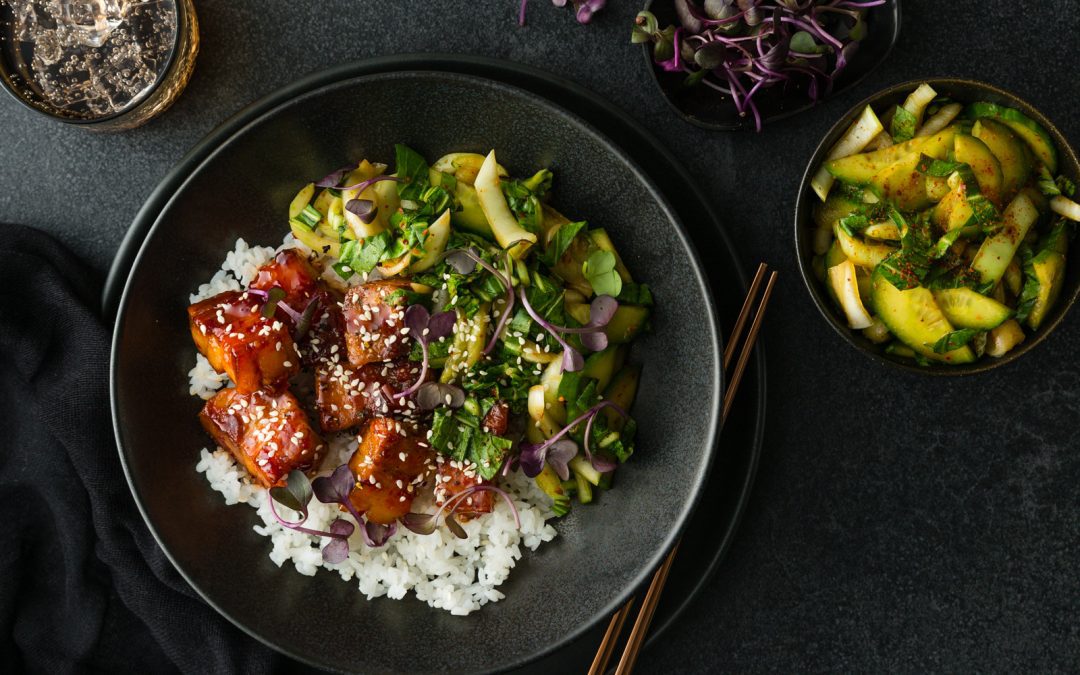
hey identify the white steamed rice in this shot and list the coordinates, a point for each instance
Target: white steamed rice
(458, 575)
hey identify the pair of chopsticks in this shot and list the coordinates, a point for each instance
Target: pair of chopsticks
(652, 596)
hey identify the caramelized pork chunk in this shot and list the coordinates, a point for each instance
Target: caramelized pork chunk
(268, 433)
(291, 272)
(453, 478)
(374, 316)
(254, 351)
(346, 396)
(391, 462)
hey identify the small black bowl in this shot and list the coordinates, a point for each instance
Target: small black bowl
(965, 91)
(710, 109)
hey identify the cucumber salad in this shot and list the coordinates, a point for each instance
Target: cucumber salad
(943, 227)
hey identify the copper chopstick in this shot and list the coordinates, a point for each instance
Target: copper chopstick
(652, 596)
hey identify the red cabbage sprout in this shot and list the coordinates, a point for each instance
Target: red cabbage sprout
(424, 327)
(740, 47)
(425, 523)
(535, 455)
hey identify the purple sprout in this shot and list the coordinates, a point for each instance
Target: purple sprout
(741, 47)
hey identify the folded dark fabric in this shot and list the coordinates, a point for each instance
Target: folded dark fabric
(83, 584)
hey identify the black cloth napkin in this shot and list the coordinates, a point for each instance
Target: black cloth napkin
(83, 584)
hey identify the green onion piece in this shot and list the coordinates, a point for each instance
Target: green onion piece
(309, 216)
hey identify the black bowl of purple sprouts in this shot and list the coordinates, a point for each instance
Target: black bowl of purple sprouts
(740, 64)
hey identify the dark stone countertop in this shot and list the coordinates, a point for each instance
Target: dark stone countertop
(899, 522)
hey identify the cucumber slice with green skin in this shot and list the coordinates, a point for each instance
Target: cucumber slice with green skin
(844, 285)
(601, 366)
(1009, 150)
(953, 211)
(859, 169)
(859, 252)
(983, 163)
(964, 308)
(936, 188)
(902, 184)
(1045, 277)
(914, 317)
(621, 392)
(834, 208)
(998, 250)
(1026, 128)
(626, 323)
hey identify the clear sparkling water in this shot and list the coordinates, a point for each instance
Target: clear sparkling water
(87, 58)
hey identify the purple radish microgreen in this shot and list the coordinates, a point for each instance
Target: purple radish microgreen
(364, 209)
(424, 328)
(335, 489)
(273, 299)
(557, 455)
(593, 337)
(464, 261)
(534, 455)
(426, 523)
(295, 495)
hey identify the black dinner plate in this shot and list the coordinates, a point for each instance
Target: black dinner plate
(240, 190)
(709, 533)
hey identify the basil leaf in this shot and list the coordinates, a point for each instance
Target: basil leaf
(936, 167)
(564, 237)
(954, 340)
(903, 125)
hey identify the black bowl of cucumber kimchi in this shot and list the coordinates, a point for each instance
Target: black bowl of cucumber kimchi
(935, 226)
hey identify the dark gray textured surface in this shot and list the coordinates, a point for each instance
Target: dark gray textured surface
(897, 522)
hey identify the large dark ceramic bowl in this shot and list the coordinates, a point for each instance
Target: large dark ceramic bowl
(241, 190)
(712, 109)
(964, 91)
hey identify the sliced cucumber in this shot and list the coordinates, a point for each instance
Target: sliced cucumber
(1045, 278)
(621, 392)
(859, 169)
(626, 323)
(601, 366)
(983, 163)
(914, 317)
(998, 250)
(1026, 128)
(1009, 150)
(964, 308)
(902, 184)
(859, 252)
(844, 285)
(302, 199)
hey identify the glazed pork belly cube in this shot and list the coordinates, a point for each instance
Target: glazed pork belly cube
(454, 477)
(254, 351)
(291, 272)
(325, 340)
(268, 433)
(374, 316)
(391, 462)
(346, 396)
